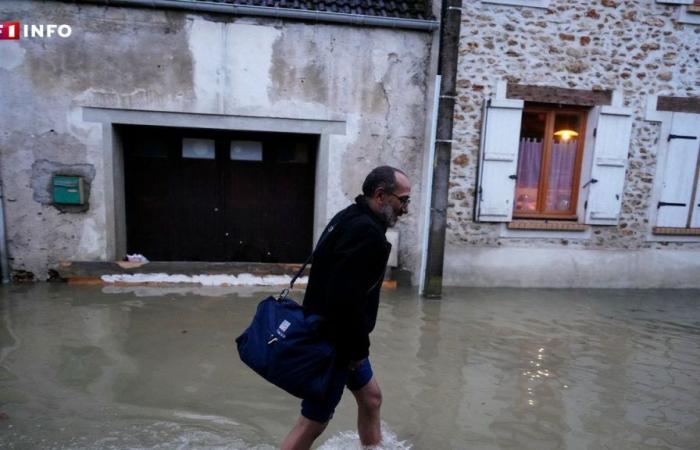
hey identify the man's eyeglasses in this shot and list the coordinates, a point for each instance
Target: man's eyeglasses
(404, 199)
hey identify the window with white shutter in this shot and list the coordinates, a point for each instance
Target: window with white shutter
(605, 184)
(549, 160)
(678, 203)
(498, 160)
(531, 164)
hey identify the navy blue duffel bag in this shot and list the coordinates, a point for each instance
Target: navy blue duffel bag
(283, 345)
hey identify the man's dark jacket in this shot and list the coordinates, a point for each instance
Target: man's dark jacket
(346, 276)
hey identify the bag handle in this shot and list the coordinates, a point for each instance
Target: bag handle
(324, 235)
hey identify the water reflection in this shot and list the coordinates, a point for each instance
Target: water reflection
(487, 369)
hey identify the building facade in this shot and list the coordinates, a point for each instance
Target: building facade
(217, 132)
(575, 160)
(234, 131)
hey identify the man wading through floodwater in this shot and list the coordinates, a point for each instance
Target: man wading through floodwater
(344, 283)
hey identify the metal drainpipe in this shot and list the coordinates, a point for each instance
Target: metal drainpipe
(4, 265)
(277, 13)
(449, 52)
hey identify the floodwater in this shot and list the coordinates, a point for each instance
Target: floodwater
(156, 368)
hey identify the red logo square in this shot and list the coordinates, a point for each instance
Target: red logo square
(9, 31)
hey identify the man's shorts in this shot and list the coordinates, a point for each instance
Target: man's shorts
(322, 411)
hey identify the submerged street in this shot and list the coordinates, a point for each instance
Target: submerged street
(85, 367)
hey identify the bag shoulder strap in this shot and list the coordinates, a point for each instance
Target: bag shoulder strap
(326, 232)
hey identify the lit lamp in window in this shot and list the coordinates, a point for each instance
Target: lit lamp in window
(566, 134)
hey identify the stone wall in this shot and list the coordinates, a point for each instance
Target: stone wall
(634, 46)
(372, 79)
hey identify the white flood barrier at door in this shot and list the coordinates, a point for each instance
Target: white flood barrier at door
(244, 279)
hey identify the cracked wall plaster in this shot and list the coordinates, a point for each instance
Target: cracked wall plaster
(159, 60)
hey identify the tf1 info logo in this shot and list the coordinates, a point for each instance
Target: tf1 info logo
(12, 31)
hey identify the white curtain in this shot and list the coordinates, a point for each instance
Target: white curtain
(529, 162)
(561, 175)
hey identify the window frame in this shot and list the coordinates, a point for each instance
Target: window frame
(552, 110)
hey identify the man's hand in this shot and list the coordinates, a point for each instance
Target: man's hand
(355, 364)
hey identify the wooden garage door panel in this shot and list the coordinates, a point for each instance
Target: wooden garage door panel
(185, 209)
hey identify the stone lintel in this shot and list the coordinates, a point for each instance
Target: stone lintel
(678, 104)
(558, 95)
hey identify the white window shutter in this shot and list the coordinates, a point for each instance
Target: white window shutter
(498, 161)
(679, 171)
(609, 166)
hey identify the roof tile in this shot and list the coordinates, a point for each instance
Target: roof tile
(408, 9)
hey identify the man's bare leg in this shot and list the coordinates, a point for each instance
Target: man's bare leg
(303, 434)
(369, 401)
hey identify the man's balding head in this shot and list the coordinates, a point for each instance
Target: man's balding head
(387, 192)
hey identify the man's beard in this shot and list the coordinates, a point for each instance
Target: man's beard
(389, 216)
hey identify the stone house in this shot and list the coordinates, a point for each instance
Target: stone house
(575, 160)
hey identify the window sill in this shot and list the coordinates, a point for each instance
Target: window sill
(529, 3)
(676, 2)
(540, 229)
(669, 231)
(546, 225)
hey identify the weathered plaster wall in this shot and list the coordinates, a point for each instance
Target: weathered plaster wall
(373, 79)
(634, 46)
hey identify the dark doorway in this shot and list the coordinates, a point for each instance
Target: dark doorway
(210, 195)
